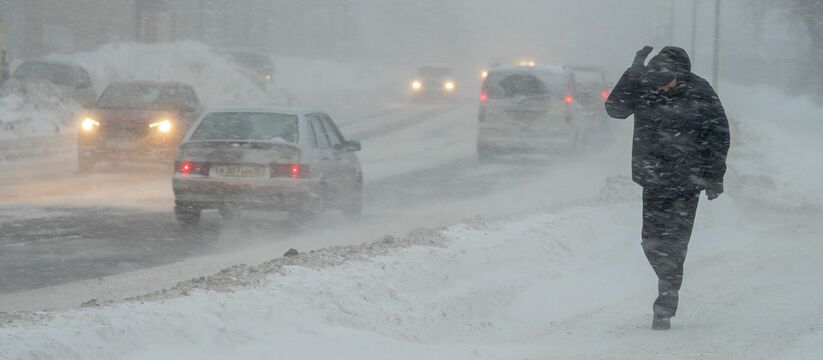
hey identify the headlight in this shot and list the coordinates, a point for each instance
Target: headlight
(449, 85)
(417, 85)
(484, 74)
(163, 126)
(89, 124)
(268, 77)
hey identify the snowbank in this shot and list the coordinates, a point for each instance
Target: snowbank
(402, 298)
(344, 89)
(776, 146)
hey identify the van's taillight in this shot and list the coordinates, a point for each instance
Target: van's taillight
(191, 168)
(568, 99)
(484, 96)
(294, 171)
(605, 95)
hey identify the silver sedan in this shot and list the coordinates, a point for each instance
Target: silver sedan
(266, 159)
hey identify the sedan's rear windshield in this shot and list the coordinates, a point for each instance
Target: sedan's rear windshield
(247, 126)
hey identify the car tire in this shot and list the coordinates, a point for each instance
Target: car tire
(353, 203)
(187, 215)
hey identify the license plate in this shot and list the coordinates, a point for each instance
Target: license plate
(240, 171)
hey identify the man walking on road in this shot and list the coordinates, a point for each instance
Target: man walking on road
(681, 139)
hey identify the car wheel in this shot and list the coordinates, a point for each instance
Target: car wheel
(353, 204)
(187, 215)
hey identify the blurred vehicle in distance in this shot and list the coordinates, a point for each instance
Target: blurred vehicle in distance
(259, 68)
(528, 110)
(266, 159)
(434, 83)
(592, 90)
(72, 81)
(136, 120)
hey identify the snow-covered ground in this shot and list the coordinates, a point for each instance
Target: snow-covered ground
(566, 282)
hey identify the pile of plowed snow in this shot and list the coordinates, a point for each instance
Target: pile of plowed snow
(341, 88)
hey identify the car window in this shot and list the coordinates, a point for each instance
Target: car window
(142, 96)
(518, 85)
(320, 135)
(333, 132)
(190, 97)
(435, 72)
(248, 126)
(511, 84)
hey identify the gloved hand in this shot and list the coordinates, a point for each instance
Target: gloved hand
(713, 191)
(642, 55)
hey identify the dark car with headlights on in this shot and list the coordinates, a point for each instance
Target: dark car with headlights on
(137, 120)
(432, 83)
(266, 159)
(259, 68)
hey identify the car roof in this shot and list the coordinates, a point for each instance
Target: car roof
(150, 83)
(437, 68)
(280, 110)
(533, 69)
(55, 63)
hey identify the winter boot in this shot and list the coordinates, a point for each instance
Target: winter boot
(661, 323)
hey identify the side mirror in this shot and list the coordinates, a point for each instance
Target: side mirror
(353, 145)
(187, 108)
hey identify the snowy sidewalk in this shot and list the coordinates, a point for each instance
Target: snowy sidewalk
(570, 284)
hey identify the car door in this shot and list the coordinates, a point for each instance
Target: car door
(347, 166)
(322, 145)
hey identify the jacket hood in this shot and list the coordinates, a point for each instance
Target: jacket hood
(671, 62)
(673, 59)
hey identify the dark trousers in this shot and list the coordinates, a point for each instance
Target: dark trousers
(668, 219)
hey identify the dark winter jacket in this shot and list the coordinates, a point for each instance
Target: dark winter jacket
(681, 137)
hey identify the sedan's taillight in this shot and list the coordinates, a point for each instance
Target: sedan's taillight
(294, 171)
(191, 168)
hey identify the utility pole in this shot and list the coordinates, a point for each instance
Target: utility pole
(672, 16)
(717, 14)
(694, 29)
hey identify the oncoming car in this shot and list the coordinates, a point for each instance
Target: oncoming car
(259, 68)
(528, 110)
(266, 159)
(434, 82)
(136, 120)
